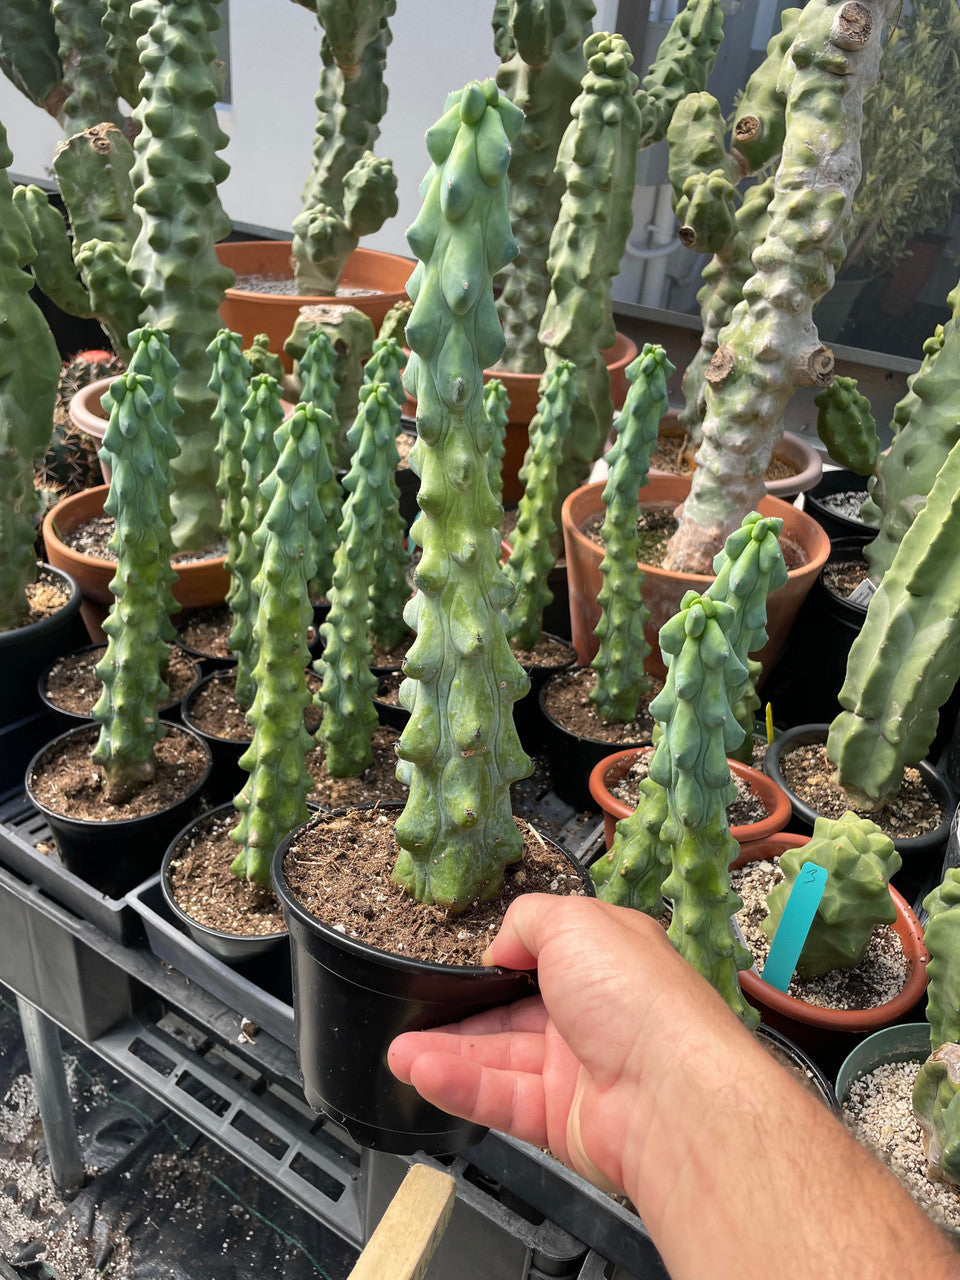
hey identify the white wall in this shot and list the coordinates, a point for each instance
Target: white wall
(438, 45)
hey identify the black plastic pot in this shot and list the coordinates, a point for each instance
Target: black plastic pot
(571, 757)
(351, 1000)
(65, 719)
(922, 855)
(209, 662)
(114, 856)
(527, 713)
(390, 713)
(408, 482)
(227, 779)
(25, 651)
(835, 525)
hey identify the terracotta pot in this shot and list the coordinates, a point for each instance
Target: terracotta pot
(275, 314)
(609, 771)
(829, 1033)
(663, 589)
(792, 450)
(523, 393)
(204, 582)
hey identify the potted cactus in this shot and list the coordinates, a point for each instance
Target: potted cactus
(456, 843)
(146, 776)
(349, 193)
(29, 371)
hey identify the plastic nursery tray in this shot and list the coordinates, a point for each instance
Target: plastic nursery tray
(266, 1001)
(22, 829)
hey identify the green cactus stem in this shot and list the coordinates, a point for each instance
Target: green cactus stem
(760, 125)
(122, 49)
(262, 415)
(350, 192)
(632, 872)
(905, 661)
(274, 798)
(496, 405)
(53, 267)
(749, 567)
(87, 66)
(29, 372)
(941, 935)
(770, 345)
(228, 382)
(846, 426)
(690, 763)
(351, 334)
(702, 175)
(317, 370)
(936, 1105)
(621, 682)
(859, 860)
(460, 752)
(926, 426)
(531, 555)
(683, 62)
(598, 160)
(262, 360)
(172, 259)
(138, 444)
(543, 64)
(30, 53)
(394, 323)
(349, 716)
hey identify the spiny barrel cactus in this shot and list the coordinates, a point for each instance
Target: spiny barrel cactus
(346, 694)
(936, 1105)
(770, 345)
(846, 426)
(859, 860)
(172, 259)
(138, 444)
(531, 555)
(29, 371)
(262, 415)
(623, 648)
(273, 799)
(459, 752)
(941, 934)
(350, 192)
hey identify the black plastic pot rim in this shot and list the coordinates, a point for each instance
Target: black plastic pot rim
(240, 743)
(115, 824)
(82, 719)
(554, 668)
(69, 607)
(353, 946)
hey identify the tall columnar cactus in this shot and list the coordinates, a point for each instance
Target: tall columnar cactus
(351, 334)
(29, 371)
(262, 415)
(228, 382)
(770, 345)
(459, 752)
(350, 192)
(926, 426)
(172, 260)
(394, 323)
(702, 174)
(859, 860)
(316, 367)
(349, 716)
(531, 555)
(623, 648)
(690, 763)
(749, 567)
(683, 62)
(941, 934)
(760, 125)
(138, 444)
(846, 426)
(906, 659)
(274, 798)
(936, 1104)
(541, 45)
(91, 96)
(496, 405)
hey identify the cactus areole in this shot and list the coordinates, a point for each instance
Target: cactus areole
(459, 752)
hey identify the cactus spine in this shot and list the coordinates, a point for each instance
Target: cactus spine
(531, 556)
(623, 648)
(460, 751)
(846, 426)
(29, 371)
(859, 860)
(273, 799)
(138, 444)
(941, 934)
(770, 345)
(172, 260)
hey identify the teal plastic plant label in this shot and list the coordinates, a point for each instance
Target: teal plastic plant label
(794, 925)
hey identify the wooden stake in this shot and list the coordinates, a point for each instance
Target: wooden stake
(410, 1229)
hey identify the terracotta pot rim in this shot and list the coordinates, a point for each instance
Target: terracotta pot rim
(315, 299)
(746, 833)
(791, 448)
(908, 930)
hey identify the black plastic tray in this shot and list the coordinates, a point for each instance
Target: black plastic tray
(259, 990)
(22, 828)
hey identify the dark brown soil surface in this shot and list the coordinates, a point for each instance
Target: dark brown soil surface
(546, 653)
(392, 657)
(204, 888)
(746, 808)
(656, 525)
(207, 631)
(92, 537)
(668, 456)
(67, 782)
(350, 889)
(842, 577)
(388, 687)
(377, 784)
(810, 775)
(567, 699)
(73, 686)
(45, 597)
(215, 710)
